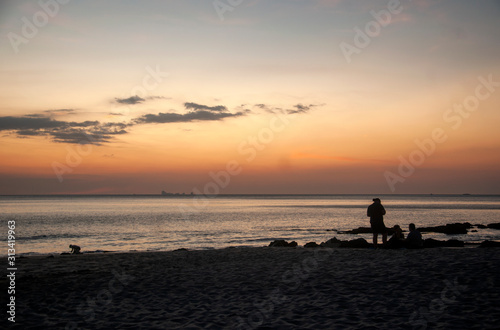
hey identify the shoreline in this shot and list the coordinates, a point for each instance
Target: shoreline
(99, 252)
(243, 195)
(266, 287)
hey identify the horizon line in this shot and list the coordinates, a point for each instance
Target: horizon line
(170, 195)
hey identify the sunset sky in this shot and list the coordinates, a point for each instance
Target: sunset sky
(283, 96)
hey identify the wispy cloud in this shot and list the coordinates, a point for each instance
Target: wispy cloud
(197, 107)
(300, 108)
(296, 109)
(97, 135)
(268, 108)
(137, 99)
(87, 132)
(130, 100)
(200, 115)
(153, 97)
(60, 112)
(28, 122)
(96, 132)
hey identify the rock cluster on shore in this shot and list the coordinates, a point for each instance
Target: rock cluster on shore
(282, 243)
(363, 230)
(449, 229)
(361, 243)
(489, 244)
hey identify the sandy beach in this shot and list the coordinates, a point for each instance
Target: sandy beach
(261, 288)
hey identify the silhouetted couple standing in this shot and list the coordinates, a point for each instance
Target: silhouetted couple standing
(376, 213)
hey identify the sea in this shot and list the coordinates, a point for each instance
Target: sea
(49, 224)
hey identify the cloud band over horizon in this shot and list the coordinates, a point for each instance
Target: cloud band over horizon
(97, 133)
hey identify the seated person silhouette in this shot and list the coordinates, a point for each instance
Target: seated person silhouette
(75, 249)
(397, 239)
(414, 239)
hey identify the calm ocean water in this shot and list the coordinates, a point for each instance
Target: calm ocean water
(49, 224)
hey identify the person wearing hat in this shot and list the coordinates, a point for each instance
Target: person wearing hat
(376, 213)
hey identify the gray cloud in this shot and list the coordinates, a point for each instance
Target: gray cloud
(198, 107)
(137, 99)
(157, 98)
(297, 109)
(35, 115)
(28, 122)
(87, 132)
(115, 126)
(198, 112)
(97, 133)
(87, 123)
(96, 136)
(60, 111)
(171, 117)
(29, 132)
(268, 108)
(130, 100)
(300, 108)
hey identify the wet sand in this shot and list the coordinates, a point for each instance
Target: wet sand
(261, 288)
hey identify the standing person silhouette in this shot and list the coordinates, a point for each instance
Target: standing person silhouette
(376, 213)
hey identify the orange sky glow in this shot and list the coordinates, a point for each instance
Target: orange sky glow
(266, 98)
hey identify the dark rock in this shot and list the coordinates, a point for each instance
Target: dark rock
(331, 243)
(364, 230)
(489, 244)
(454, 243)
(481, 226)
(449, 229)
(494, 225)
(311, 245)
(359, 230)
(282, 243)
(432, 243)
(279, 243)
(360, 243)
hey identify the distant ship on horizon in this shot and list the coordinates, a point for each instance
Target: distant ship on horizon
(164, 193)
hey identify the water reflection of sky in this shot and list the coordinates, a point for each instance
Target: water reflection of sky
(123, 224)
